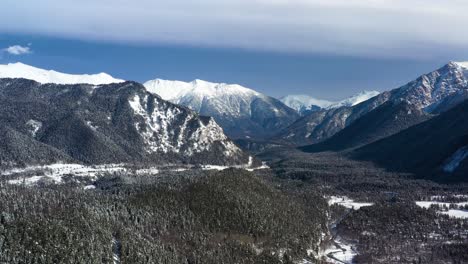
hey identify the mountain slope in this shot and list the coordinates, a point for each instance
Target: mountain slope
(20, 70)
(242, 112)
(381, 122)
(434, 92)
(305, 104)
(435, 147)
(105, 124)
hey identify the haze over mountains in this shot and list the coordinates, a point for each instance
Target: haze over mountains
(304, 104)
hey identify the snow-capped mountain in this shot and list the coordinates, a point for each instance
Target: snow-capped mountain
(115, 123)
(20, 70)
(433, 93)
(242, 112)
(305, 104)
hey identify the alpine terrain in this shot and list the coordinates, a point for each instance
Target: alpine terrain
(240, 111)
(99, 124)
(431, 93)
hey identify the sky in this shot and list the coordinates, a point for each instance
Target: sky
(329, 49)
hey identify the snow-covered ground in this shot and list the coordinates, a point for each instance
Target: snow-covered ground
(347, 202)
(455, 213)
(56, 172)
(339, 252)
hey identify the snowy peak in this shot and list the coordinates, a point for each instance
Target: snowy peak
(302, 103)
(173, 90)
(356, 99)
(305, 103)
(242, 112)
(20, 70)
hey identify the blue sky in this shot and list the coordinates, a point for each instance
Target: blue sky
(328, 49)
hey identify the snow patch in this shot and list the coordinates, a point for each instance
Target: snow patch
(35, 126)
(347, 202)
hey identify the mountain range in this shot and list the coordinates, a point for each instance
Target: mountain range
(433, 148)
(49, 117)
(242, 112)
(102, 124)
(430, 93)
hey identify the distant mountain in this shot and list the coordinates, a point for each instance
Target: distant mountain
(437, 147)
(240, 111)
(432, 93)
(115, 123)
(305, 104)
(20, 70)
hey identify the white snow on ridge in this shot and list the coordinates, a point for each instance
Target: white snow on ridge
(463, 64)
(301, 103)
(171, 90)
(20, 70)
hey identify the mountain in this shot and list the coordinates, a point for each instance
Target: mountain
(20, 70)
(305, 104)
(386, 120)
(437, 147)
(114, 123)
(240, 111)
(432, 93)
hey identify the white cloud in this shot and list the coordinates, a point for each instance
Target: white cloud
(17, 50)
(353, 27)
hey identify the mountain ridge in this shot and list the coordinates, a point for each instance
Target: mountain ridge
(241, 111)
(21, 70)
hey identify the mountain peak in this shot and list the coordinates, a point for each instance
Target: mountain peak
(21, 70)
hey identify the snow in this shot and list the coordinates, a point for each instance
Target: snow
(455, 213)
(170, 90)
(340, 252)
(427, 204)
(54, 173)
(209, 98)
(305, 102)
(299, 102)
(347, 202)
(20, 70)
(455, 160)
(463, 64)
(35, 126)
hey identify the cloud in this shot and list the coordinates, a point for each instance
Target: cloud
(17, 50)
(382, 28)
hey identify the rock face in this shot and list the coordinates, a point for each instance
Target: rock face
(432, 93)
(241, 112)
(115, 123)
(437, 147)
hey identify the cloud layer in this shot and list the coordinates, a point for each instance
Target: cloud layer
(17, 50)
(383, 28)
